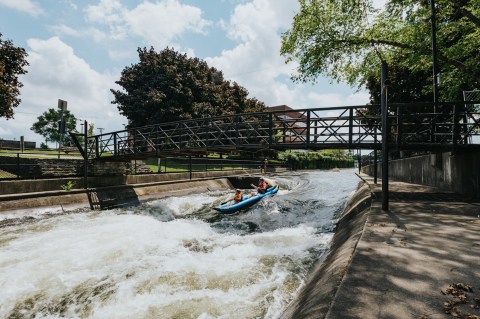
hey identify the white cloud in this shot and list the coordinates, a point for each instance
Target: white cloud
(27, 6)
(380, 4)
(165, 19)
(62, 29)
(158, 23)
(55, 72)
(256, 64)
(337, 99)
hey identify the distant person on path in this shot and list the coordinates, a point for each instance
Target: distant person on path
(264, 166)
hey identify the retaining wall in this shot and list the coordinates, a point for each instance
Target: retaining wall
(55, 184)
(459, 173)
(108, 192)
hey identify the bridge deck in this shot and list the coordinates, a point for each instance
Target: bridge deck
(454, 128)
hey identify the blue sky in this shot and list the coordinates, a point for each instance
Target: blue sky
(77, 50)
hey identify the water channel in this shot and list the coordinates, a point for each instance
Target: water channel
(173, 257)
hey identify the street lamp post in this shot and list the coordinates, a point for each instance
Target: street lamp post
(434, 54)
(385, 131)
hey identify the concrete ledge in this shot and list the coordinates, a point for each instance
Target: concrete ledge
(54, 184)
(114, 196)
(109, 197)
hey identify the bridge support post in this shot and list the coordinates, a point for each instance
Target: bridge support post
(385, 129)
(190, 165)
(375, 158)
(85, 156)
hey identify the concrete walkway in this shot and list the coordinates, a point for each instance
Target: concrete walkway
(417, 260)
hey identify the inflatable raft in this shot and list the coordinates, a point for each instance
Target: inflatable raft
(247, 201)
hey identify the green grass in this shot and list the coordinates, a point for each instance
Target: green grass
(38, 153)
(5, 174)
(174, 165)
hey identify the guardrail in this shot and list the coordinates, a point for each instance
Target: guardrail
(411, 127)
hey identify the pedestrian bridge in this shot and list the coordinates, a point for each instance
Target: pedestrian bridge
(422, 126)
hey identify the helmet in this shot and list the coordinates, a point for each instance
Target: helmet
(238, 190)
(261, 178)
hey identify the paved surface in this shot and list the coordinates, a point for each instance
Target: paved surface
(416, 260)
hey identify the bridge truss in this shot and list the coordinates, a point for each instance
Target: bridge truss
(453, 127)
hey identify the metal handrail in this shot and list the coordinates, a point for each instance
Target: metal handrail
(412, 126)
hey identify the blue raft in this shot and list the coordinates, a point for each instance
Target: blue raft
(247, 201)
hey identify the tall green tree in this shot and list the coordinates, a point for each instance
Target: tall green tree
(12, 64)
(168, 86)
(47, 125)
(347, 39)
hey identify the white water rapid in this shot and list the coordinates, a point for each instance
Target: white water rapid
(171, 258)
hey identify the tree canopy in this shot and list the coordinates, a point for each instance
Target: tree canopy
(168, 86)
(347, 39)
(12, 64)
(48, 126)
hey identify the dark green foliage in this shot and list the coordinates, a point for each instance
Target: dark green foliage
(12, 64)
(168, 86)
(327, 159)
(47, 125)
(405, 85)
(347, 40)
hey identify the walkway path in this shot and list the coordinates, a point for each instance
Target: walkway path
(415, 261)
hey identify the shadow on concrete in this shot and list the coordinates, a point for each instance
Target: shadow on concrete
(408, 256)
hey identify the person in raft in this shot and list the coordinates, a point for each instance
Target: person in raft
(262, 186)
(238, 197)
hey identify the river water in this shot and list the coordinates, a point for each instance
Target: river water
(172, 257)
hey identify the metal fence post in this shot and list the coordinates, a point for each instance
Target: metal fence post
(85, 156)
(350, 128)
(270, 128)
(385, 129)
(375, 159)
(308, 128)
(190, 165)
(18, 165)
(455, 127)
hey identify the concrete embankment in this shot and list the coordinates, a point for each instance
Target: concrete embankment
(315, 297)
(418, 259)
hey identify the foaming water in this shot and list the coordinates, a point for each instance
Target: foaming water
(172, 258)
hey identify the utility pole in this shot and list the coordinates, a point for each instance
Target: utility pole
(434, 54)
(62, 105)
(385, 129)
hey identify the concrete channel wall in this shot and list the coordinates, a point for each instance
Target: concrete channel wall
(459, 173)
(323, 280)
(110, 192)
(55, 184)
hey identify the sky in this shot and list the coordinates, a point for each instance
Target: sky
(77, 50)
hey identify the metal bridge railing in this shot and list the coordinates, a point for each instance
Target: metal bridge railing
(411, 127)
